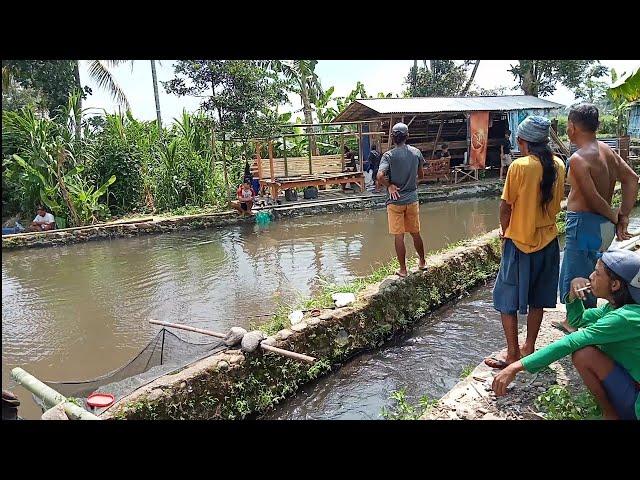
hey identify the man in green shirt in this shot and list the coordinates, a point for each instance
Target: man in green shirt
(606, 347)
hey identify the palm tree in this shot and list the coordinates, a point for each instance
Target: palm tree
(99, 73)
(304, 82)
(155, 94)
(470, 81)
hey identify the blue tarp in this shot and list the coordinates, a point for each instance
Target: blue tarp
(634, 121)
(517, 116)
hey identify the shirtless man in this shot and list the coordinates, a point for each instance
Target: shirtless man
(591, 221)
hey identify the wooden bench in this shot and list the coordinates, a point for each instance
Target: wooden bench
(299, 172)
(436, 169)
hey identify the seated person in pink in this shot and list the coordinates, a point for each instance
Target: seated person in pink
(246, 196)
(44, 221)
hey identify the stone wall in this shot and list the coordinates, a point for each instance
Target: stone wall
(232, 385)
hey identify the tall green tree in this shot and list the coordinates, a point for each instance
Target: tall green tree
(53, 80)
(440, 78)
(154, 77)
(240, 96)
(540, 77)
(592, 89)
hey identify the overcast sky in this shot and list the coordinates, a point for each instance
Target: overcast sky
(377, 76)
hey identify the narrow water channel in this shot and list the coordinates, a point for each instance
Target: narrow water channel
(427, 361)
(78, 311)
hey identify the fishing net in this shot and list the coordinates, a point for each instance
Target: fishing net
(164, 354)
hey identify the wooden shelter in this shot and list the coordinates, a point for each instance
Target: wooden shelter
(433, 121)
(312, 170)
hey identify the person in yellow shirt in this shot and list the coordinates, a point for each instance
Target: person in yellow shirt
(529, 269)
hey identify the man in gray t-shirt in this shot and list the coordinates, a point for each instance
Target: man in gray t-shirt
(398, 171)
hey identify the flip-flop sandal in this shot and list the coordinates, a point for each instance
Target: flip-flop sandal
(559, 326)
(397, 272)
(497, 363)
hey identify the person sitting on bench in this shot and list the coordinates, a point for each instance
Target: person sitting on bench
(444, 152)
(44, 221)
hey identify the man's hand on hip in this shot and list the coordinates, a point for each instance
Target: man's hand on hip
(393, 192)
(622, 227)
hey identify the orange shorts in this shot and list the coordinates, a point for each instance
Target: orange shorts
(403, 218)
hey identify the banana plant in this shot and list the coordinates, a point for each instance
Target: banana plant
(85, 199)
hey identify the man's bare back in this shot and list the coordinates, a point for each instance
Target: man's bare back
(593, 167)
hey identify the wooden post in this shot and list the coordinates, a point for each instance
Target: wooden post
(342, 151)
(390, 128)
(274, 188)
(309, 151)
(360, 151)
(49, 396)
(271, 170)
(284, 149)
(435, 142)
(259, 159)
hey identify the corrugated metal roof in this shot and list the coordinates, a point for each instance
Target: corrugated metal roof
(450, 104)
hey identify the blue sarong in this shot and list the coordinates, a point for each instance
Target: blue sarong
(587, 236)
(527, 279)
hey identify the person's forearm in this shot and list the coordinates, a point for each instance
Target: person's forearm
(383, 180)
(505, 215)
(599, 205)
(629, 194)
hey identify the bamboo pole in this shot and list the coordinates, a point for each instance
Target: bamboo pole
(390, 128)
(328, 123)
(268, 348)
(86, 227)
(49, 396)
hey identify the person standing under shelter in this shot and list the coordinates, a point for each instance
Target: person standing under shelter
(374, 164)
(528, 276)
(398, 171)
(505, 152)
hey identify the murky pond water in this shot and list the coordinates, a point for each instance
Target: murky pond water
(79, 311)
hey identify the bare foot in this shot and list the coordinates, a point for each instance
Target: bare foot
(526, 350)
(499, 362)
